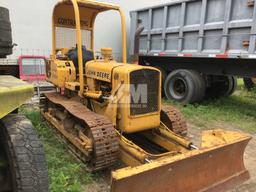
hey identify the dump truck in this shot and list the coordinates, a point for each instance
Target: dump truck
(22, 160)
(107, 111)
(200, 46)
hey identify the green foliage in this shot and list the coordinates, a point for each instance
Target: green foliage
(237, 111)
(66, 174)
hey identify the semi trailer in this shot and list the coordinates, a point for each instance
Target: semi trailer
(22, 160)
(200, 46)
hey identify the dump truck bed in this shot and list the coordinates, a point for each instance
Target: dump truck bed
(13, 93)
(198, 28)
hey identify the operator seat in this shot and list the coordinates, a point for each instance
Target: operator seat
(73, 56)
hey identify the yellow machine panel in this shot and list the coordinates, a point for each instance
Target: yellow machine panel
(99, 70)
(131, 93)
(135, 111)
(59, 72)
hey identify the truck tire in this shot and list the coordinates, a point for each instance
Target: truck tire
(201, 86)
(221, 86)
(25, 170)
(249, 83)
(5, 33)
(164, 76)
(185, 86)
(232, 87)
(163, 72)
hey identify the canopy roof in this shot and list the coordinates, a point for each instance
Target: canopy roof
(95, 5)
(81, 14)
(64, 16)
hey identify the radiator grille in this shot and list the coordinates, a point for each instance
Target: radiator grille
(139, 80)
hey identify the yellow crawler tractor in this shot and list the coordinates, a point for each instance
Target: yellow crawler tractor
(109, 111)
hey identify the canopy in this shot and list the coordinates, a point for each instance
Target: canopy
(88, 10)
(81, 14)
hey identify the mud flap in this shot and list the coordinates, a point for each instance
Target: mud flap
(218, 166)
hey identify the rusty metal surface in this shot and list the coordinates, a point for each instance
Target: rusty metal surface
(106, 145)
(208, 170)
(174, 120)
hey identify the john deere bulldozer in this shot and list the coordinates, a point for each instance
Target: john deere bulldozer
(22, 160)
(108, 111)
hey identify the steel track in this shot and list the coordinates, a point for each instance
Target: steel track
(174, 120)
(105, 140)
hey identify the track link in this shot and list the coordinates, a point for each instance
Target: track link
(174, 120)
(101, 131)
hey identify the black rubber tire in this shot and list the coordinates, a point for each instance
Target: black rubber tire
(164, 76)
(25, 155)
(232, 87)
(249, 84)
(201, 83)
(193, 86)
(221, 86)
(5, 33)
(163, 72)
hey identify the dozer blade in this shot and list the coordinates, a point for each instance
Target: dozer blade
(217, 166)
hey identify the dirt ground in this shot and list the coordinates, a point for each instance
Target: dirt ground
(102, 183)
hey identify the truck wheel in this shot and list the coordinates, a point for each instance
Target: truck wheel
(221, 86)
(186, 86)
(164, 76)
(233, 86)
(249, 83)
(23, 157)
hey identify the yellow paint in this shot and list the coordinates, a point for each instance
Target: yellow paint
(234, 137)
(163, 129)
(81, 14)
(97, 76)
(107, 54)
(99, 70)
(59, 72)
(165, 141)
(121, 89)
(13, 93)
(93, 94)
(219, 137)
(141, 155)
(72, 86)
(117, 74)
(74, 140)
